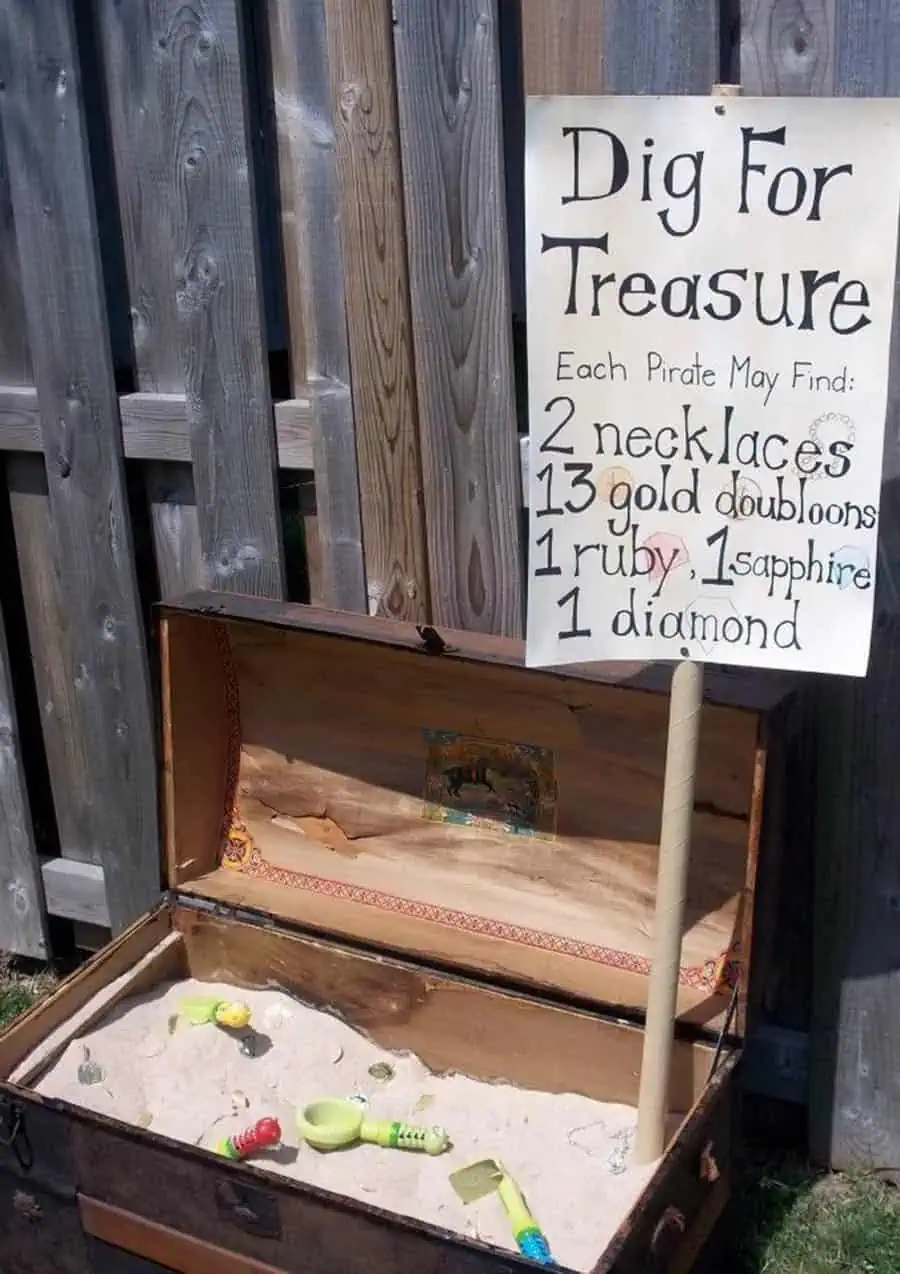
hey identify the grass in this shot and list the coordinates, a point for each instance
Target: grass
(785, 1217)
(788, 1219)
(19, 989)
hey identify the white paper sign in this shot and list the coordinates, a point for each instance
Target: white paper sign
(710, 293)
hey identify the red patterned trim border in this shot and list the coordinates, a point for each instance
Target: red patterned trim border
(239, 853)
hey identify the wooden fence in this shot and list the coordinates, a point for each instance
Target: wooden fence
(261, 327)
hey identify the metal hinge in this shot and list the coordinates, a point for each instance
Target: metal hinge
(432, 641)
(222, 910)
(726, 1026)
(13, 1134)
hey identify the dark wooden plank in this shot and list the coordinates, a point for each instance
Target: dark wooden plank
(15, 360)
(178, 120)
(660, 46)
(22, 926)
(448, 83)
(561, 46)
(107, 1258)
(361, 57)
(851, 47)
(50, 182)
(148, 210)
(314, 279)
(855, 1044)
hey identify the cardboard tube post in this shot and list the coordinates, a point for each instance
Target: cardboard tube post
(671, 888)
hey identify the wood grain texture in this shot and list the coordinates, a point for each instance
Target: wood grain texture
(361, 58)
(15, 360)
(22, 926)
(851, 48)
(561, 46)
(314, 276)
(855, 1043)
(178, 121)
(448, 80)
(160, 1243)
(155, 426)
(50, 181)
(51, 639)
(787, 47)
(136, 95)
(660, 46)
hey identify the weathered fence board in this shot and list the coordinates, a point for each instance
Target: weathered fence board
(15, 363)
(448, 77)
(66, 743)
(314, 277)
(185, 183)
(22, 919)
(561, 46)
(62, 725)
(378, 313)
(53, 205)
(846, 47)
(660, 46)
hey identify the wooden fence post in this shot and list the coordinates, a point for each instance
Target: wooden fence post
(448, 81)
(176, 82)
(852, 48)
(50, 182)
(361, 58)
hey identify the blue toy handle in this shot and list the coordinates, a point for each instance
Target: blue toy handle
(533, 1245)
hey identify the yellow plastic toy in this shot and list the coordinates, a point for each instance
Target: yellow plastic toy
(332, 1122)
(228, 1013)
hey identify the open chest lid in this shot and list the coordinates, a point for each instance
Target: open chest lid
(338, 772)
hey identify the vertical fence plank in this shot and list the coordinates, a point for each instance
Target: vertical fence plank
(142, 155)
(15, 361)
(22, 922)
(561, 46)
(448, 80)
(852, 47)
(63, 723)
(178, 120)
(377, 303)
(48, 635)
(319, 355)
(660, 46)
(22, 925)
(787, 47)
(49, 173)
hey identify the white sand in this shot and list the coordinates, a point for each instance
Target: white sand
(569, 1154)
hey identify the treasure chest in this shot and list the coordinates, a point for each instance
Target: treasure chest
(430, 872)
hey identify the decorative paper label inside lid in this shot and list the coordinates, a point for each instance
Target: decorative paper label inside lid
(491, 782)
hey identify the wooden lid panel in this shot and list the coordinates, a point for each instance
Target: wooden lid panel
(490, 815)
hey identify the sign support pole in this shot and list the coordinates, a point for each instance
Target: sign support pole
(671, 888)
